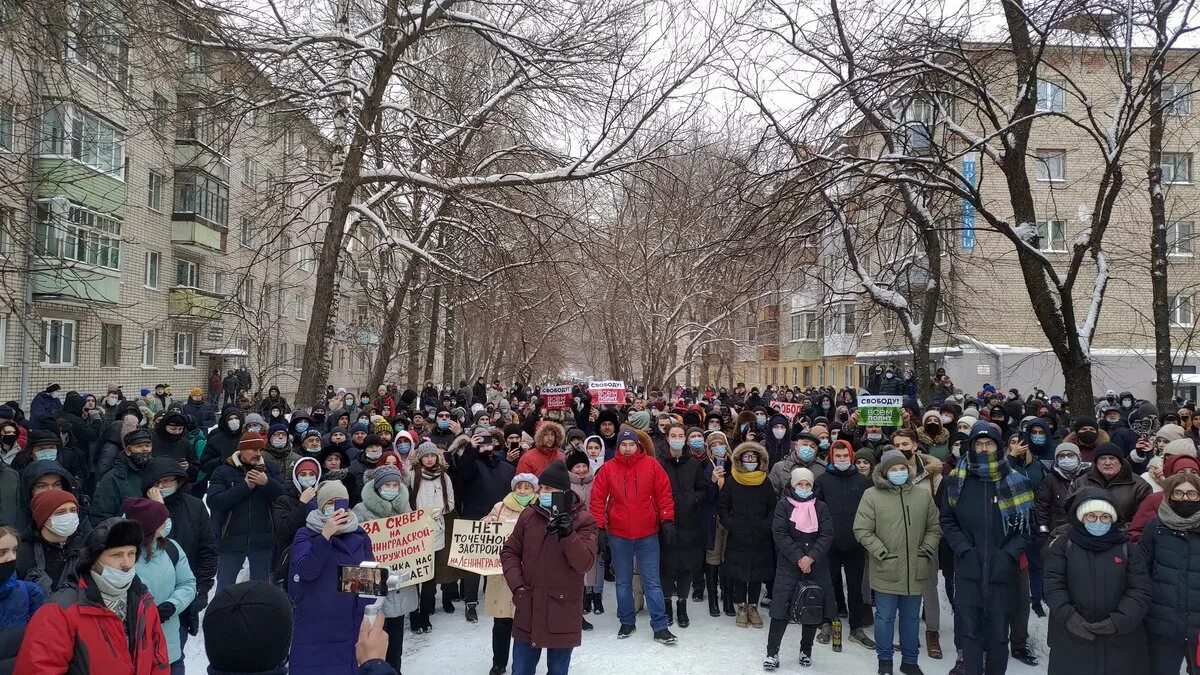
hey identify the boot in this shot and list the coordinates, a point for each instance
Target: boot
(472, 615)
(743, 619)
(752, 614)
(726, 599)
(586, 625)
(932, 644)
(698, 588)
(710, 581)
(681, 612)
(597, 603)
(670, 612)
(447, 603)
(959, 668)
(587, 602)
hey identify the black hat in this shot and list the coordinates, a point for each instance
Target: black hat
(39, 437)
(112, 533)
(52, 387)
(576, 457)
(137, 436)
(251, 608)
(1108, 449)
(556, 476)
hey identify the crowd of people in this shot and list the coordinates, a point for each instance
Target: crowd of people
(119, 518)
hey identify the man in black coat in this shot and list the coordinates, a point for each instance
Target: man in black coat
(165, 481)
(241, 491)
(841, 488)
(681, 553)
(84, 427)
(482, 479)
(169, 441)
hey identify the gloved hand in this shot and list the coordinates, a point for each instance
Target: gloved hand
(1105, 627)
(601, 540)
(166, 610)
(1080, 628)
(561, 524)
(668, 533)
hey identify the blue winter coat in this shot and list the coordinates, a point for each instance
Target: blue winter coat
(326, 621)
(18, 601)
(241, 516)
(43, 407)
(171, 582)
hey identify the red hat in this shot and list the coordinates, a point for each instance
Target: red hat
(147, 512)
(46, 503)
(1173, 464)
(251, 441)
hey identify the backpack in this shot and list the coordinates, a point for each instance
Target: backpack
(807, 604)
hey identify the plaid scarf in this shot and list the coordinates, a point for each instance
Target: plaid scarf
(1014, 497)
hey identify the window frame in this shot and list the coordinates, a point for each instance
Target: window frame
(188, 350)
(85, 236)
(8, 126)
(67, 130)
(1175, 158)
(1175, 304)
(150, 348)
(152, 262)
(154, 198)
(1059, 92)
(47, 330)
(1174, 94)
(110, 340)
(1046, 240)
(193, 276)
(1043, 165)
(1178, 247)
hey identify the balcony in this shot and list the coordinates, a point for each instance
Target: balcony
(196, 234)
(768, 353)
(74, 283)
(770, 313)
(195, 303)
(366, 337)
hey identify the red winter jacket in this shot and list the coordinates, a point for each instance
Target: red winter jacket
(535, 460)
(75, 634)
(631, 496)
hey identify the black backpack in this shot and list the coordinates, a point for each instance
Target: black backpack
(807, 604)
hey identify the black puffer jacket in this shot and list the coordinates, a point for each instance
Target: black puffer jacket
(746, 512)
(1173, 558)
(688, 487)
(1108, 583)
(29, 476)
(481, 482)
(793, 545)
(85, 430)
(841, 492)
(175, 447)
(1050, 499)
(191, 528)
(241, 516)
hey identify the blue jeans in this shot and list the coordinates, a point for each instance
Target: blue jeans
(230, 564)
(886, 606)
(525, 659)
(646, 551)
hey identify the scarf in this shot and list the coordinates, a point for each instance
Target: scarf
(748, 478)
(1014, 497)
(1175, 521)
(316, 519)
(1114, 537)
(804, 515)
(510, 502)
(336, 474)
(115, 599)
(382, 508)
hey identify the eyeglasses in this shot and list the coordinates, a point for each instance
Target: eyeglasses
(1097, 517)
(1181, 496)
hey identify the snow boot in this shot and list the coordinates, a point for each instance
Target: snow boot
(597, 603)
(911, 669)
(743, 619)
(587, 602)
(586, 625)
(1038, 608)
(752, 615)
(710, 581)
(933, 644)
(824, 634)
(805, 659)
(726, 598)
(771, 662)
(681, 613)
(885, 668)
(626, 631)
(670, 611)
(665, 637)
(471, 614)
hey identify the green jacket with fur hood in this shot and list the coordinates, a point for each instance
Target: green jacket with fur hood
(899, 528)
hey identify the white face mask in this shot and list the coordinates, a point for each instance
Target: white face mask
(64, 525)
(235, 424)
(279, 442)
(779, 433)
(374, 454)
(307, 481)
(116, 578)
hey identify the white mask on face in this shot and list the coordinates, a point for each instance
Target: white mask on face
(64, 525)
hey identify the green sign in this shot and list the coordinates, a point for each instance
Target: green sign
(880, 411)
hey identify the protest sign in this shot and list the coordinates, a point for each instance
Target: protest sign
(880, 411)
(788, 410)
(405, 544)
(475, 546)
(608, 392)
(556, 397)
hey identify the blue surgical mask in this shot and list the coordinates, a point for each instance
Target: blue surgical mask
(696, 443)
(307, 481)
(1037, 440)
(389, 493)
(802, 494)
(675, 443)
(807, 453)
(718, 451)
(1068, 464)
(404, 448)
(167, 528)
(762, 422)
(824, 445)
(1097, 529)
(443, 425)
(898, 478)
(544, 500)
(46, 454)
(301, 427)
(874, 437)
(167, 491)
(328, 511)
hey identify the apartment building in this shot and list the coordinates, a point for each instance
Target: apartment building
(159, 215)
(985, 329)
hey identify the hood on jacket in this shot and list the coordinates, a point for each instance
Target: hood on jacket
(73, 404)
(318, 463)
(550, 435)
(1086, 494)
(223, 421)
(764, 459)
(297, 417)
(159, 468)
(330, 450)
(38, 468)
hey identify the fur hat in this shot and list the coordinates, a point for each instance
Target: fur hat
(109, 534)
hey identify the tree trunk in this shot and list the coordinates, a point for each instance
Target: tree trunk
(431, 344)
(391, 325)
(413, 369)
(1164, 371)
(448, 341)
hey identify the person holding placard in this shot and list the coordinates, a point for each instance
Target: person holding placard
(433, 490)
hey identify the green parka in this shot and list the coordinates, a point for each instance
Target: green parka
(899, 528)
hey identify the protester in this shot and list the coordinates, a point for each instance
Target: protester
(49, 554)
(433, 491)
(19, 600)
(499, 598)
(682, 553)
(714, 462)
(841, 488)
(1171, 543)
(483, 479)
(124, 480)
(746, 508)
(240, 495)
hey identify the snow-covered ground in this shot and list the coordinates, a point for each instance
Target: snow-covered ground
(708, 645)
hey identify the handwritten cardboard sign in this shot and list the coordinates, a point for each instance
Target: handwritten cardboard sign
(475, 545)
(405, 544)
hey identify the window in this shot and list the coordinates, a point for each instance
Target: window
(808, 376)
(297, 355)
(285, 248)
(243, 343)
(341, 358)
(199, 122)
(83, 236)
(919, 120)
(306, 257)
(218, 283)
(804, 326)
(246, 292)
(840, 319)
(1051, 164)
(110, 344)
(97, 46)
(187, 273)
(162, 113)
(149, 348)
(71, 131)
(184, 350)
(200, 195)
(1179, 238)
(250, 172)
(157, 183)
(1051, 97)
(7, 222)
(939, 319)
(58, 342)
(246, 231)
(1176, 99)
(1181, 311)
(152, 261)
(1177, 167)
(7, 114)
(1052, 236)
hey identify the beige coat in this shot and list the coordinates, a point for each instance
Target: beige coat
(497, 598)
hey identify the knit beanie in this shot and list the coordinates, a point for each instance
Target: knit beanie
(251, 608)
(800, 473)
(1170, 432)
(627, 435)
(1183, 446)
(889, 459)
(385, 474)
(1109, 449)
(1067, 447)
(148, 513)
(1095, 506)
(865, 453)
(1084, 422)
(483, 432)
(372, 439)
(1176, 463)
(576, 457)
(277, 427)
(45, 503)
(426, 448)
(524, 478)
(330, 490)
(381, 426)
(196, 391)
(555, 475)
(640, 419)
(251, 441)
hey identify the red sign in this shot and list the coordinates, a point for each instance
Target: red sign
(609, 392)
(556, 397)
(788, 410)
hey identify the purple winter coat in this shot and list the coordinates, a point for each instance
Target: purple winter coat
(326, 621)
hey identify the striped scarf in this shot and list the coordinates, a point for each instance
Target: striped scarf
(1014, 497)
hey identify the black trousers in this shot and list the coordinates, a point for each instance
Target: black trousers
(853, 562)
(394, 628)
(470, 585)
(744, 592)
(501, 641)
(779, 627)
(983, 632)
(676, 581)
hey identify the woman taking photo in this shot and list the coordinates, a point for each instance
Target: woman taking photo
(1096, 604)
(746, 509)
